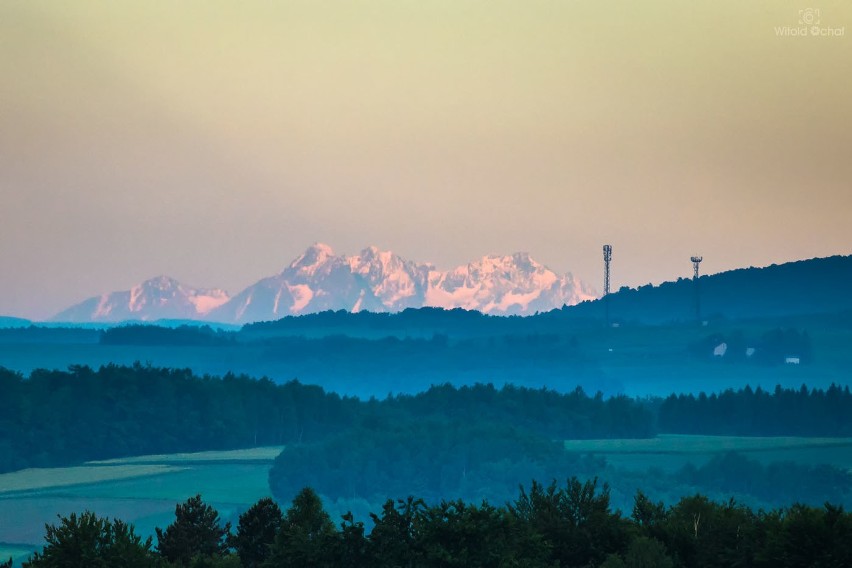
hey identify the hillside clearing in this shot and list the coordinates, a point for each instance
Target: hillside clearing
(51, 478)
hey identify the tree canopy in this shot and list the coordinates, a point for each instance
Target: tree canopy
(570, 524)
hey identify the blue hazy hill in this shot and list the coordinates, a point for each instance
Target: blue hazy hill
(815, 286)
(7, 322)
(762, 315)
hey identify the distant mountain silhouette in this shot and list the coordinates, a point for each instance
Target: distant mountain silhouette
(382, 281)
(155, 299)
(319, 280)
(819, 285)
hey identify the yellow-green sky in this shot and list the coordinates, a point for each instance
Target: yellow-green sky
(213, 141)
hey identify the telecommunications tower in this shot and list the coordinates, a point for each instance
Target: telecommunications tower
(607, 256)
(696, 260)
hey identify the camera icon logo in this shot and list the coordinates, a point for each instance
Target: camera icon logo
(809, 16)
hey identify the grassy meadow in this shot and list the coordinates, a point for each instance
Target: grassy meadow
(262, 455)
(142, 490)
(53, 478)
(670, 452)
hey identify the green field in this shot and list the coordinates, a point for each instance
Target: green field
(669, 452)
(17, 552)
(50, 478)
(143, 490)
(238, 456)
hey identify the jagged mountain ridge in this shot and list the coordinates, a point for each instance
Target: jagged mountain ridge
(373, 280)
(158, 298)
(381, 281)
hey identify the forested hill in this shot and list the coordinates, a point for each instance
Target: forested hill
(54, 418)
(819, 285)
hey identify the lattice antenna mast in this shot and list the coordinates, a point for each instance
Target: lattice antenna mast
(696, 261)
(607, 256)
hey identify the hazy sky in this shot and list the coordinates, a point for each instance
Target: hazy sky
(213, 141)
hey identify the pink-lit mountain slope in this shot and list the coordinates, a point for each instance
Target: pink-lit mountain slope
(381, 281)
(158, 298)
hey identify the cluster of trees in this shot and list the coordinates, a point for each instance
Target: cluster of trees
(487, 460)
(140, 334)
(410, 321)
(560, 416)
(55, 418)
(432, 458)
(756, 412)
(775, 482)
(570, 525)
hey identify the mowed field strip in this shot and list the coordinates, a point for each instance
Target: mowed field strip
(141, 489)
(50, 478)
(264, 454)
(681, 444)
(671, 452)
(127, 468)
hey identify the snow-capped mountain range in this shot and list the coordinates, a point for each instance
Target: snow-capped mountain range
(373, 280)
(158, 298)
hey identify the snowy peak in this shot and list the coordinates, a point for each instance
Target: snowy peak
(158, 298)
(374, 280)
(396, 282)
(381, 281)
(502, 267)
(318, 280)
(513, 284)
(165, 292)
(315, 256)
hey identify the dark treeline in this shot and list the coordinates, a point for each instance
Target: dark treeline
(571, 526)
(57, 418)
(429, 350)
(139, 334)
(560, 416)
(747, 412)
(411, 320)
(735, 474)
